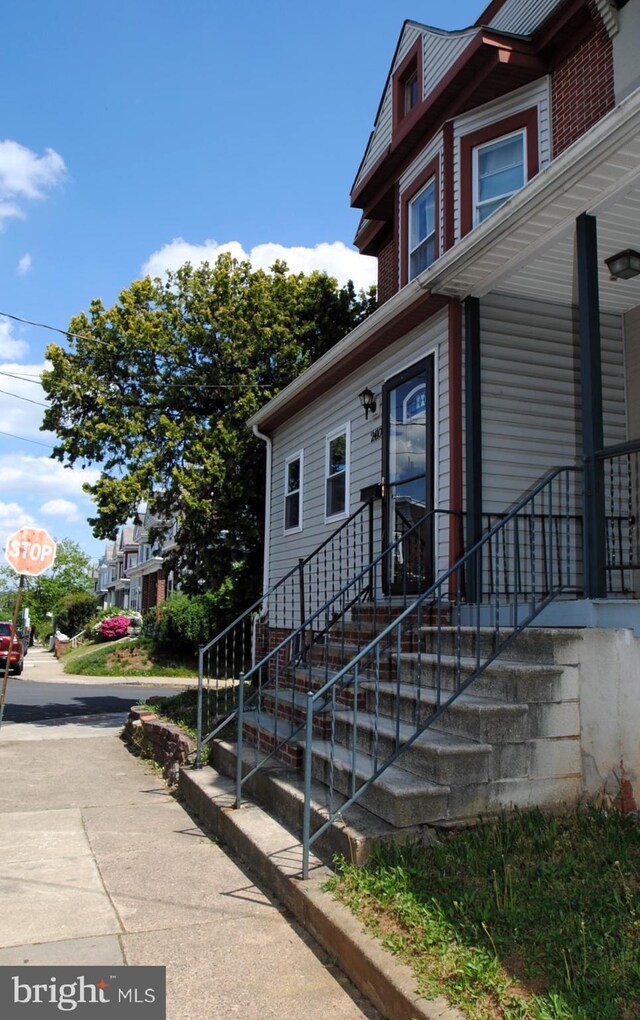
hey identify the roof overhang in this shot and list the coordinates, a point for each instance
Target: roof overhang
(525, 248)
(151, 566)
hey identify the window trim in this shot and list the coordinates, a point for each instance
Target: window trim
(298, 455)
(475, 201)
(431, 171)
(402, 119)
(526, 120)
(341, 430)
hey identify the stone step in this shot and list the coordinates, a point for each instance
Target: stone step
(535, 644)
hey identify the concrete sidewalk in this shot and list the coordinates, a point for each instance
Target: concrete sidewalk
(99, 865)
(42, 666)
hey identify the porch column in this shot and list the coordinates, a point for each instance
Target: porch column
(591, 399)
(473, 441)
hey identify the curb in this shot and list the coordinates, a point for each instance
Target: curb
(274, 856)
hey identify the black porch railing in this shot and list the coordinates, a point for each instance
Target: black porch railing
(620, 467)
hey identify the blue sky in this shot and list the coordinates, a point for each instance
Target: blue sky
(137, 134)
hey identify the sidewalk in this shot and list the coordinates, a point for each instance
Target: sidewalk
(42, 665)
(99, 866)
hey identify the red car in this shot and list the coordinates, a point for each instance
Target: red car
(15, 653)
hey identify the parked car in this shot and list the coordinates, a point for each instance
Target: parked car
(12, 647)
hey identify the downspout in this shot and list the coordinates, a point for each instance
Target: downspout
(267, 512)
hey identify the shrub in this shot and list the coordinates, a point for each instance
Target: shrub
(114, 627)
(74, 611)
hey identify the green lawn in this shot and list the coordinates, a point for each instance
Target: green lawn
(525, 918)
(127, 657)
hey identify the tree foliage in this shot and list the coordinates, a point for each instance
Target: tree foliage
(157, 390)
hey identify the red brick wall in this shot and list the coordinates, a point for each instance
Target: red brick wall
(387, 272)
(582, 87)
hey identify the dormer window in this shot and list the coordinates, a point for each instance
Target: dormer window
(410, 92)
(422, 229)
(499, 170)
(407, 88)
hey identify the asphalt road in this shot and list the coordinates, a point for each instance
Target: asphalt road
(30, 701)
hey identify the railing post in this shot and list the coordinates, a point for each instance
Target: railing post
(371, 555)
(301, 599)
(239, 742)
(306, 816)
(199, 707)
(591, 393)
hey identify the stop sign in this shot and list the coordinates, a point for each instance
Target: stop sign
(30, 551)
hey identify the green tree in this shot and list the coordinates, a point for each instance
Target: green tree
(157, 391)
(71, 573)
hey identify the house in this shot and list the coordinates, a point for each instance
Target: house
(451, 621)
(150, 582)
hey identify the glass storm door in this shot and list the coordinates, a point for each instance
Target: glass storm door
(408, 478)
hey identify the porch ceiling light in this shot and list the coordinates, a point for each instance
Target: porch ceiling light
(368, 400)
(624, 265)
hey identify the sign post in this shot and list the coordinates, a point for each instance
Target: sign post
(29, 551)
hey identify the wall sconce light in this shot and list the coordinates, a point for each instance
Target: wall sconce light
(624, 265)
(368, 401)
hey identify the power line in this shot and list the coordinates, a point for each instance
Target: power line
(24, 439)
(22, 378)
(54, 329)
(8, 393)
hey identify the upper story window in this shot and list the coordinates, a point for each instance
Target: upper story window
(293, 492)
(337, 473)
(499, 170)
(411, 91)
(407, 86)
(422, 229)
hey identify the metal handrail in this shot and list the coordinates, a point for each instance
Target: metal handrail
(291, 640)
(247, 614)
(431, 596)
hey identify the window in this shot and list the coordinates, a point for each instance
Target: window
(293, 492)
(411, 92)
(337, 473)
(499, 170)
(422, 229)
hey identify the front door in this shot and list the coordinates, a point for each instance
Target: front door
(408, 478)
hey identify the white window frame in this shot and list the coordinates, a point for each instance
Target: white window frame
(522, 133)
(298, 455)
(341, 430)
(425, 240)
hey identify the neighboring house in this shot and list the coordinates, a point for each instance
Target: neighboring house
(502, 171)
(120, 556)
(149, 581)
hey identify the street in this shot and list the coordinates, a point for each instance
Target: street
(32, 701)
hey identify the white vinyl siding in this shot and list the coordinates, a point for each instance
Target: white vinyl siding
(523, 19)
(530, 380)
(293, 490)
(340, 405)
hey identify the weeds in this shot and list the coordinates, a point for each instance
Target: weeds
(525, 918)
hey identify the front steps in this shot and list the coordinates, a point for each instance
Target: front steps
(511, 739)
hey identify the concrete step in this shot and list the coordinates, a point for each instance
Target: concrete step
(440, 757)
(507, 680)
(483, 719)
(352, 835)
(399, 797)
(536, 644)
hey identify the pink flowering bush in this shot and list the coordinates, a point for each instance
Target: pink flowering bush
(114, 627)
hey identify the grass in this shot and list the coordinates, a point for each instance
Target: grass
(525, 918)
(128, 657)
(181, 709)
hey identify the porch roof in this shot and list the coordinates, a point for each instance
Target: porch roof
(525, 248)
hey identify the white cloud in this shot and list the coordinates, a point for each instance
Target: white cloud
(61, 508)
(335, 258)
(12, 517)
(25, 175)
(41, 476)
(10, 346)
(24, 265)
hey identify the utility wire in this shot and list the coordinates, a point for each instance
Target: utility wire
(55, 329)
(24, 439)
(8, 393)
(22, 378)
